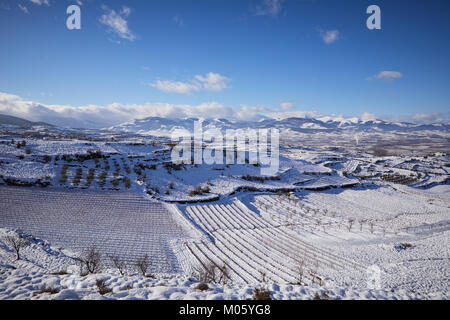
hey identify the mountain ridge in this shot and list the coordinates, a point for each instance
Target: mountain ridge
(164, 126)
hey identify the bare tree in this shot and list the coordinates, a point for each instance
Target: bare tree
(143, 263)
(300, 271)
(371, 227)
(224, 275)
(91, 260)
(17, 243)
(119, 263)
(350, 224)
(361, 223)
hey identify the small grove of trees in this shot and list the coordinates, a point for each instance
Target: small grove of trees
(17, 242)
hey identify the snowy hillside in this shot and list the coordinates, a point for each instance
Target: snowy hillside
(321, 224)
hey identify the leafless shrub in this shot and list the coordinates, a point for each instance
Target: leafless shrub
(323, 296)
(202, 286)
(90, 260)
(49, 290)
(143, 263)
(102, 287)
(261, 294)
(17, 242)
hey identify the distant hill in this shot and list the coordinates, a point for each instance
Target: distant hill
(15, 121)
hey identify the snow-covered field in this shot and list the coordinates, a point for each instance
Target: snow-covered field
(123, 225)
(46, 272)
(324, 223)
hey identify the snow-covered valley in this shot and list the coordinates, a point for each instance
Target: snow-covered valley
(331, 220)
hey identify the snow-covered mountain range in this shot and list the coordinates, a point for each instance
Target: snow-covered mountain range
(164, 126)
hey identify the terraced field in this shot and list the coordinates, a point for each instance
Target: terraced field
(253, 248)
(121, 224)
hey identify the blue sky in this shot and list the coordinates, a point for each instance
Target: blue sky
(313, 55)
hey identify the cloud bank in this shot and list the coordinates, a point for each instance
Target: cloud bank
(99, 116)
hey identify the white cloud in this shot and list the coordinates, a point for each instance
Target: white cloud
(101, 116)
(431, 117)
(98, 116)
(287, 105)
(329, 36)
(417, 118)
(210, 82)
(41, 2)
(293, 114)
(23, 8)
(268, 8)
(387, 75)
(117, 22)
(366, 116)
(174, 87)
(213, 81)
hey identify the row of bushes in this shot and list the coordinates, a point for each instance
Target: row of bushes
(260, 178)
(199, 190)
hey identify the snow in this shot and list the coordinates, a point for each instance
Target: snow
(123, 225)
(45, 267)
(330, 209)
